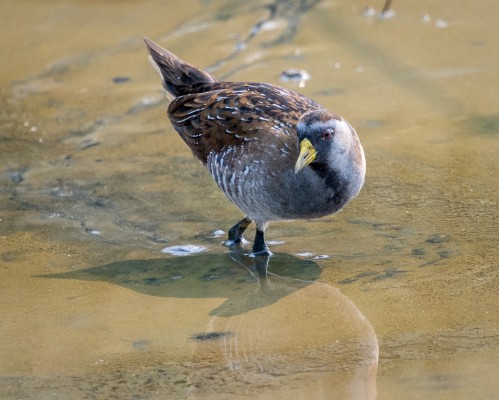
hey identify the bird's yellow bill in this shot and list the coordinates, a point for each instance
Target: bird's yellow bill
(307, 155)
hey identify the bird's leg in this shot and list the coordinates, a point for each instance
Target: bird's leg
(236, 232)
(259, 245)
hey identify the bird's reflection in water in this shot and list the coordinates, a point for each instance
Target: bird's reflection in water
(302, 339)
(247, 283)
(280, 331)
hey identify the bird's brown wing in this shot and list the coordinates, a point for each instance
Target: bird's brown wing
(224, 114)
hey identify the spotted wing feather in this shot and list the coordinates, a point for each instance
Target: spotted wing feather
(224, 114)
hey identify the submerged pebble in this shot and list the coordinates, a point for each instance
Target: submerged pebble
(445, 253)
(88, 143)
(184, 250)
(121, 79)
(17, 176)
(141, 344)
(419, 252)
(295, 75)
(156, 239)
(210, 336)
(439, 238)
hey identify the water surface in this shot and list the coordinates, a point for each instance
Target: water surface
(396, 297)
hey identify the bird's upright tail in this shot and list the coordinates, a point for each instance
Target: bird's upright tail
(178, 76)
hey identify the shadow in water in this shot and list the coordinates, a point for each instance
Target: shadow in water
(248, 283)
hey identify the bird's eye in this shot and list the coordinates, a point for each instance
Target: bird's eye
(327, 134)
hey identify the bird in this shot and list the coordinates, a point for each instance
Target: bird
(274, 153)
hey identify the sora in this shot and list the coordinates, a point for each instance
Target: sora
(276, 154)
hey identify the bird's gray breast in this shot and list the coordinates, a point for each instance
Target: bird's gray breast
(264, 186)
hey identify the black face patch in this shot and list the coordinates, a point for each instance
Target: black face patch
(331, 178)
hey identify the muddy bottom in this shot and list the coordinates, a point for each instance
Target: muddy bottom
(115, 280)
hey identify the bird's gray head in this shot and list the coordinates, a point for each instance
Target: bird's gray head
(327, 142)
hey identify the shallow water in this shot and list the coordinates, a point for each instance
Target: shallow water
(396, 297)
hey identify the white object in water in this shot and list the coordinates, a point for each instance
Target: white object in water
(184, 250)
